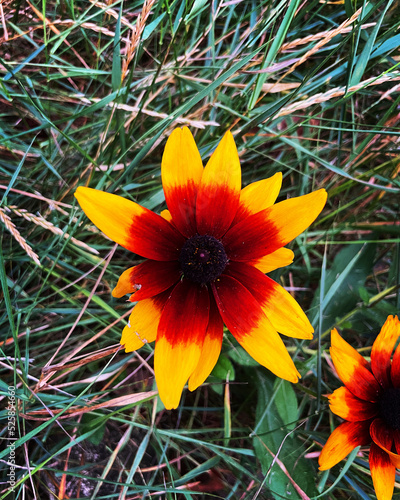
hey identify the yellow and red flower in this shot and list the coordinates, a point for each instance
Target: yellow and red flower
(206, 259)
(369, 401)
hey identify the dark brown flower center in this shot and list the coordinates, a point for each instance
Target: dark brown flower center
(202, 259)
(389, 407)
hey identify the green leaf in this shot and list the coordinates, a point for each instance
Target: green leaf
(222, 368)
(152, 27)
(341, 287)
(197, 7)
(116, 70)
(91, 423)
(363, 294)
(387, 46)
(346, 467)
(272, 437)
(349, 8)
(273, 50)
(286, 403)
(365, 55)
(197, 471)
(240, 356)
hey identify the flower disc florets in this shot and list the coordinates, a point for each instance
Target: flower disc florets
(389, 407)
(202, 259)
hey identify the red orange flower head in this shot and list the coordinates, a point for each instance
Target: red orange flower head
(370, 404)
(206, 259)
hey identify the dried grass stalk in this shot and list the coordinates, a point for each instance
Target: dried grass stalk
(111, 12)
(136, 109)
(336, 92)
(57, 32)
(5, 219)
(3, 22)
(89, 26)
(327, 38)
(133, 40)
(267, 87)
(41, 221)
(322, 34)
(119, 401)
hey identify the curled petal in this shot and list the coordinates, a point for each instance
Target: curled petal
(247, 322)
(280, 258)
(143, 323)
(382, 349)
(211, 348)
(180, 339)
(342, 441)
(147, 279)
(338, 342)
(134, 227)
(344, 404)
(266, 231)
(382, 436)
(219, 191)
(258, 196)
(351, 369)
(278, 305)
(383, 472)
(181, 171)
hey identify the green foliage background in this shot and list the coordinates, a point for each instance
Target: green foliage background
(89, 93)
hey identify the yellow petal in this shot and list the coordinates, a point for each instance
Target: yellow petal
(147, 279)
(280, 258)
(125, 284)
(211, 349)
(342, 441)
(278, 305)
(180, 338)
(181, 172)
(264, 344)
(353, 370)
(219, 191)
(173, 364)
(166, 214)
(383, 472)
(258, 196)
(245, 319)
(134, 227)
(382, 349)
(262, 233)
(143, 323)
(286, 316)
(338, 342)
(344, 404)
(291, 217)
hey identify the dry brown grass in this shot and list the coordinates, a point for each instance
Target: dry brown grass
(8, 223)
(134, 39)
